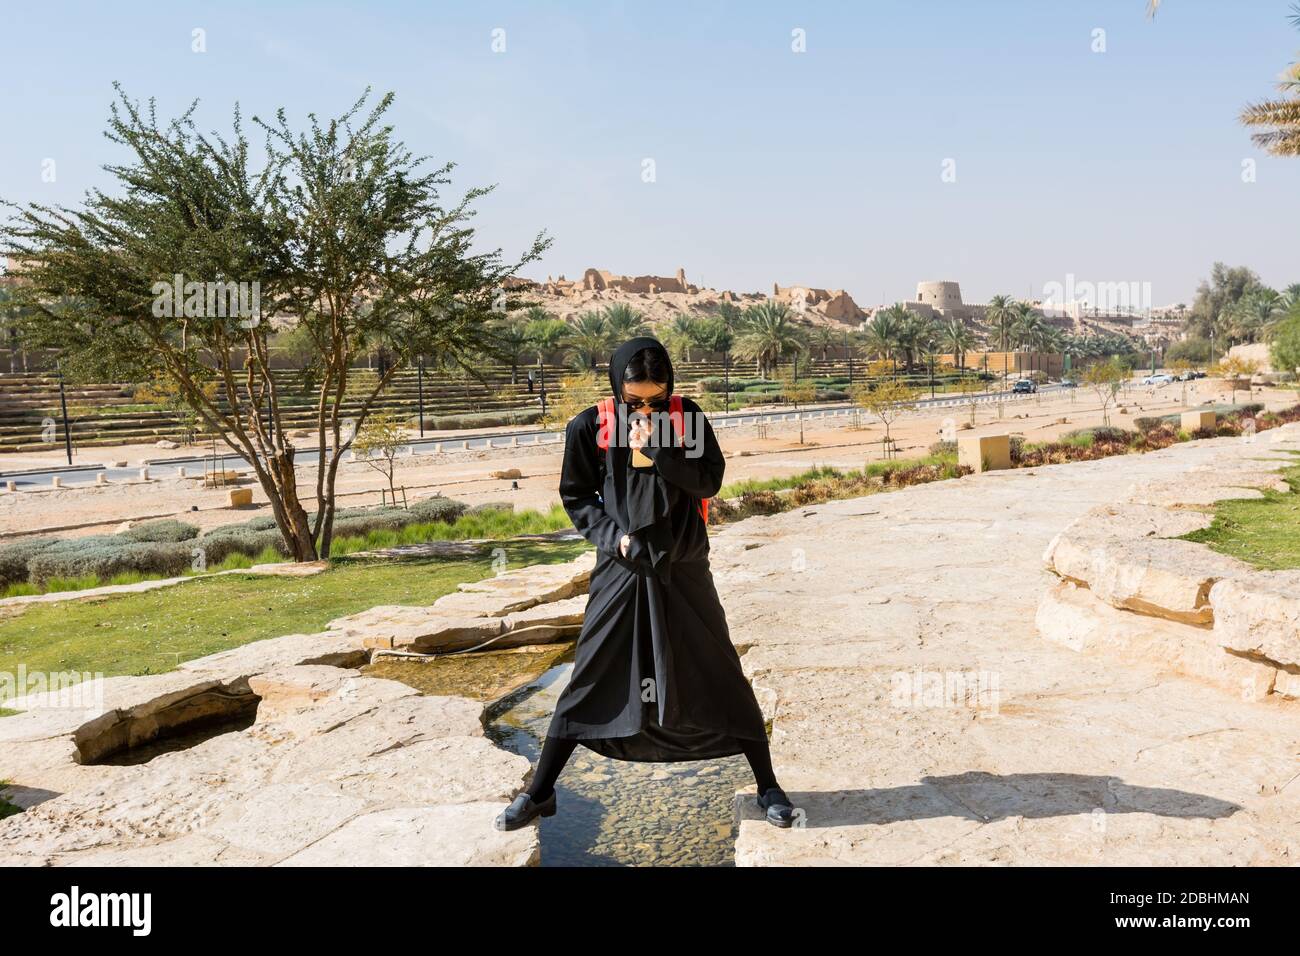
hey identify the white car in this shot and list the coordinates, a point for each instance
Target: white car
(1161, 379)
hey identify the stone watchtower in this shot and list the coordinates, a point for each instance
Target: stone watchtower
(941, 296)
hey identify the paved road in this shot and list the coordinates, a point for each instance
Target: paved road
(194, 464)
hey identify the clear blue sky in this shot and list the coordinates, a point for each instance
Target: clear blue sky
(819, 168)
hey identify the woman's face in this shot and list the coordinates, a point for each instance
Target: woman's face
(646, 396)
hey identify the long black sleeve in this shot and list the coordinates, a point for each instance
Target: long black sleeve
(580, 483)
(700, 475)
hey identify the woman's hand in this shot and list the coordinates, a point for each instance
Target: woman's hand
(624, 543)
(639, 432)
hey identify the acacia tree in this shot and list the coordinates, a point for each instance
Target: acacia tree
(798, 393)
(377, 444)
(888, 401)
(1105, 379)
(339, 230)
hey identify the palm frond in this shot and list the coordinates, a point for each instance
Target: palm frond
(1272, 113)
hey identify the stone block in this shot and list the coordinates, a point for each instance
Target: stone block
(984, 452)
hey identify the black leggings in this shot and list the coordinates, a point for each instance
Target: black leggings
(556, 752)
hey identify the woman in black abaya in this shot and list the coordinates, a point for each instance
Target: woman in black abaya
(655, 676)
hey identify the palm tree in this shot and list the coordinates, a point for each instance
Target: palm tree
(883, 332)
(687, 332)
(958, 339)
(1281, 117)
(1027, 327)
(1001, 314)
(511, 337)
(823, 338)
(547, 336)
(713, 334)
(767, 335)
(1259, 312)
(588, 339)
(625, 322)
(914, 330)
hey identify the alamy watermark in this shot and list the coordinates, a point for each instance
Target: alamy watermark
(79, 690)
(1107, 297)
(208, 300)
(920, 688)
(664, 429)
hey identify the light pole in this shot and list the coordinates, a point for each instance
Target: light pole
(63, 402)
(420, 386)
(541, 376)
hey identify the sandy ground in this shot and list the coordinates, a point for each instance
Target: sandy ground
(465, 475)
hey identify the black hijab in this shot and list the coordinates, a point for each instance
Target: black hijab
(642, 499)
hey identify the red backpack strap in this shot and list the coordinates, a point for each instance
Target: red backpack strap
(605, 419)
(679, 425)
(675, 415)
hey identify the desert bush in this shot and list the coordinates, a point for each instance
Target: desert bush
(908, 475)
(15, 557)
(1161, 436)
(943, 447)
(437, 508)
(349, 522)
(759, 503)
(161, 530)
(105, 556)
(716, 383)
(221, 543)
(519, 416)
(1107, 434)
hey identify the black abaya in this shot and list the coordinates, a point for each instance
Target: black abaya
(655, 676)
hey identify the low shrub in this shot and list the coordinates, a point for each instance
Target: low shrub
(1107, 434)
(104, 559)
(469, 420)
(15, 557)
(437, 508)
(716, 383)
(220, 543)
(161, 530)
(907, 475)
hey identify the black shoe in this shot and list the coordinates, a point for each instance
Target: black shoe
(777, 805)
(522, 809)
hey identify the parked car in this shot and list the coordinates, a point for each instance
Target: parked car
(1069, 383)
(1024, 385)
(1162, 379)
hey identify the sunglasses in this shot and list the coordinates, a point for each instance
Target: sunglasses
(654, 404)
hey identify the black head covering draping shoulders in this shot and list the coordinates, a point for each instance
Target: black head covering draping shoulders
(643, 499)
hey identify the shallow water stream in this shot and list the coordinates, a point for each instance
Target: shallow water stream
(609, 812)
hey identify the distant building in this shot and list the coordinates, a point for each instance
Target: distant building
(941, 300)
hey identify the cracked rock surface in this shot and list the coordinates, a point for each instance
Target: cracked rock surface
(920, 718)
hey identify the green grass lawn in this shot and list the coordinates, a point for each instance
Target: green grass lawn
(487, 523)
(7, 809)
(153, 631)
(1264, 532)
